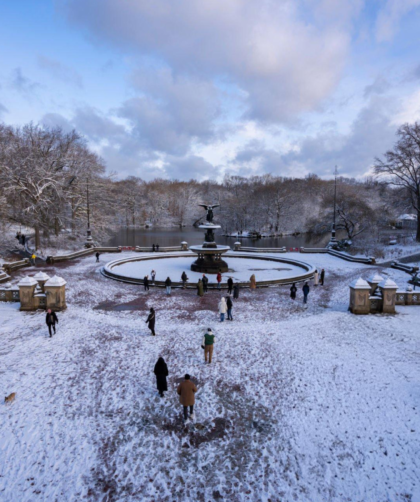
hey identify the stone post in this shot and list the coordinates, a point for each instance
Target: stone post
(388, 289)
(55, 292)
(359, 297)
(373, 281)
(237, 246)
(184, 246)
(42, 278)
(27, 287)
(409, 296)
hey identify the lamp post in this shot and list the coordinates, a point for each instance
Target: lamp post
(333, 239)
(89, 241)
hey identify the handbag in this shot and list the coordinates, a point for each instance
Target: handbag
(203, 347)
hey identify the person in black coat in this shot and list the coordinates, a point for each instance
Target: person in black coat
(50, 320)
(97, 257)
(153, 248)
(229, 306)
(161, 372)
(293, 290)
(305, 290)
(157, 247)
(146, 283)
(184, 279)
(205, 283)
(151, 320)
(230, 285)
(168, 284)
(322, 277)
(236, 289)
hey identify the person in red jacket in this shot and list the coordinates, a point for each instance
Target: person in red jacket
(219, 280)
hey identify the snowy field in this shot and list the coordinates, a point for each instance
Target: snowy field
(240, 269)
(298, 405)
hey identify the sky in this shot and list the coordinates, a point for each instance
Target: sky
(200, 89)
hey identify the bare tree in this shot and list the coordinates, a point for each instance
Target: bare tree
(401, 166)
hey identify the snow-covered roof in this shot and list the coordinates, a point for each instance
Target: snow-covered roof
(376, 278)
(41, 276)
(56, 281)
(388, 283)
(27, 281)
(407, 217)
(359, 284)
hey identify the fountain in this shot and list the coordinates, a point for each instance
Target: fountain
(209, 259)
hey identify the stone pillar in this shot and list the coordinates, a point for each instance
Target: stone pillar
(55, 292)
(27, 287)
(359, 297)
(184, 246)
(388, 289)
(42, 278)
(237, 246)
(373, 281)
(3, 276)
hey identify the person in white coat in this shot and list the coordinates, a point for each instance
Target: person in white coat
(316, 278)
(222, 309)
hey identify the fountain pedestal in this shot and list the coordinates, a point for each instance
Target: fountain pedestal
(209, 259)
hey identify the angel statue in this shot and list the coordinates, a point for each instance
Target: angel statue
(209, 210)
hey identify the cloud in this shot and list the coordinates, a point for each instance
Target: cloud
(189, 167)
(22, 84)
(60, 71)
(379, 86)
(282, 60)
(3, 110)
(51, 120)
(371, 134)
(388, 21)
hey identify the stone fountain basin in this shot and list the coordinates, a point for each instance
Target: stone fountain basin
(203, 250)
(269, 271)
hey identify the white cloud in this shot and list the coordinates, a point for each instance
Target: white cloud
(60, 71)
(389, 18)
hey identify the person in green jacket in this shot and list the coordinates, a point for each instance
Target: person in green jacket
(208, 344)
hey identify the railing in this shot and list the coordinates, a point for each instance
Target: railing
(16, 265)
(405, 268)
(150, 249)
(348, 257)
(262, 250)
(81, 253)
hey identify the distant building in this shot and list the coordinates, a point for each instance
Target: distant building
(406, 221)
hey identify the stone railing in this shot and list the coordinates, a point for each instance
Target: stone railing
(16, 265)
(405, 268)
(313, 250)
(81, 253)
(408, 297)
(165, 249)
(357, 259)
(9, 294)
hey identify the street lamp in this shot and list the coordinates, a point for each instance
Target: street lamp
(333, 240)
(89, 241)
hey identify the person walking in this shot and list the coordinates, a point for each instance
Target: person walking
(229, 306)
(157, 247)
(230, 285)
(153, 248)
(33, 259)
(186, 390)
(322, 277)
(51, 319)
(222, 309)
(168, 284)
(316, 278)
(151, 321)
(236, 289)
(205, 283)
(146, 283)
(253, 282)
(200, 290)
(293, 291)
(153, 275)
(219, 279)
(208, 343)
(305, 290)
(161, 372)
(97, 257)
(184, 280)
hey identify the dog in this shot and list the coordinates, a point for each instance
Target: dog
(10, 398)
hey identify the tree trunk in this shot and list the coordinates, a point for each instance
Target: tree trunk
(418, 221)
(37, 238)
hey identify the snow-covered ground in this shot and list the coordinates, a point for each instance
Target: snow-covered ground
(306, 405)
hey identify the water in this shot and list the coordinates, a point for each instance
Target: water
(145, 237)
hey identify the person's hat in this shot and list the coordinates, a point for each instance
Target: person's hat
(209, 330)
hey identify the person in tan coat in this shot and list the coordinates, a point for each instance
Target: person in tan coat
(253, 282)
(186, 391)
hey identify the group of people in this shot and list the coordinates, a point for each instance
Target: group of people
(155, 247)
(318, 279)
(21, 238)
(187, 388)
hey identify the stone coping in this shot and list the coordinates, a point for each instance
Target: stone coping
(308, 271)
